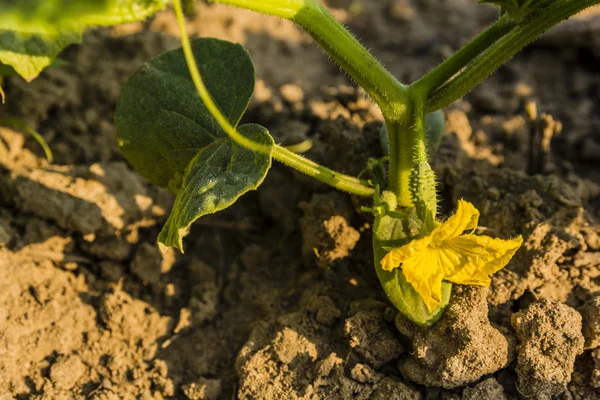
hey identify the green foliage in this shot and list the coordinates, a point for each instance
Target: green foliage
(52, 16)
(220, 173)
(29, 54)
(33, 32)
(166, 132)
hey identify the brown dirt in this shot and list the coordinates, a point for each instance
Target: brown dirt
(277, 296)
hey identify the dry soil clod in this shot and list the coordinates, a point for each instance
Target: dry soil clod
(488, 389)
(550, 339)
(326, 228)
(590, 312)
(461, 348)
(372, 338)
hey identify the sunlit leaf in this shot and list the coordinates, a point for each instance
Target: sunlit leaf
(33, 32)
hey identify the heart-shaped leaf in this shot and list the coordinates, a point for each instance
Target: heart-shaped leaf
(166, 132)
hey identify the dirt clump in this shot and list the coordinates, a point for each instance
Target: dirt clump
(203, 389)
(326, 228)
(66, 371)
(590, 312)
(89, 309)
(149, 263)
(550, 339)
(488, 389)
(372, 338)
(459, 349)
(595, 375)
(558, 258)
(297, 357)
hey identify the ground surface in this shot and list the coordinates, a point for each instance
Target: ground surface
(90, 309)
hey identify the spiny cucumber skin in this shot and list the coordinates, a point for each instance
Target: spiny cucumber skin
(423, 191)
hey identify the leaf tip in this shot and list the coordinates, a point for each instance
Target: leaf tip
(163, 247)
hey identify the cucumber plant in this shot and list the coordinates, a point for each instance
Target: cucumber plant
(178, 125)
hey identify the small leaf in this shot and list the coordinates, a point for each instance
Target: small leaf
(216, 178)
(53, 16)
(33, 32)
(166, 132)
(123, 11)
(28, 54)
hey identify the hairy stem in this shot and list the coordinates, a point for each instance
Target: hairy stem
(340, 181)
(401, 160)
(423, 181)
(503, 49)
(354, 58)
(420, 137)
(332, 178)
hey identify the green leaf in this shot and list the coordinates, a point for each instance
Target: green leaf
(123, 11)
(29, 54)
(216, 178)
(166, 132)
(33, 32)
(35, 16)
(161, 121)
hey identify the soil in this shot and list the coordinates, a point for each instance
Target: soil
(277, 297)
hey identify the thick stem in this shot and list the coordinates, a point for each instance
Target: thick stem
(354, 58)
(340, 181)
(423, 181)
(503, 49)
(401, 159)
(420, 146)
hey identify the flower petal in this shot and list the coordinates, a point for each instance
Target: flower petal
(465, 218)
(423, 272)
(479, 257)
(395, 257)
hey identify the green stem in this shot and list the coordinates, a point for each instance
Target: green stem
(423, 181)
(502, 50)
(354, 58)
(446, 70)
(37, 136)
(420, 147)
(278, 8)
(401, 160)
(340, 181)
(205, 94)
(332, 178)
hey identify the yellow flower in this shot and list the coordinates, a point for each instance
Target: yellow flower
(447, 254)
